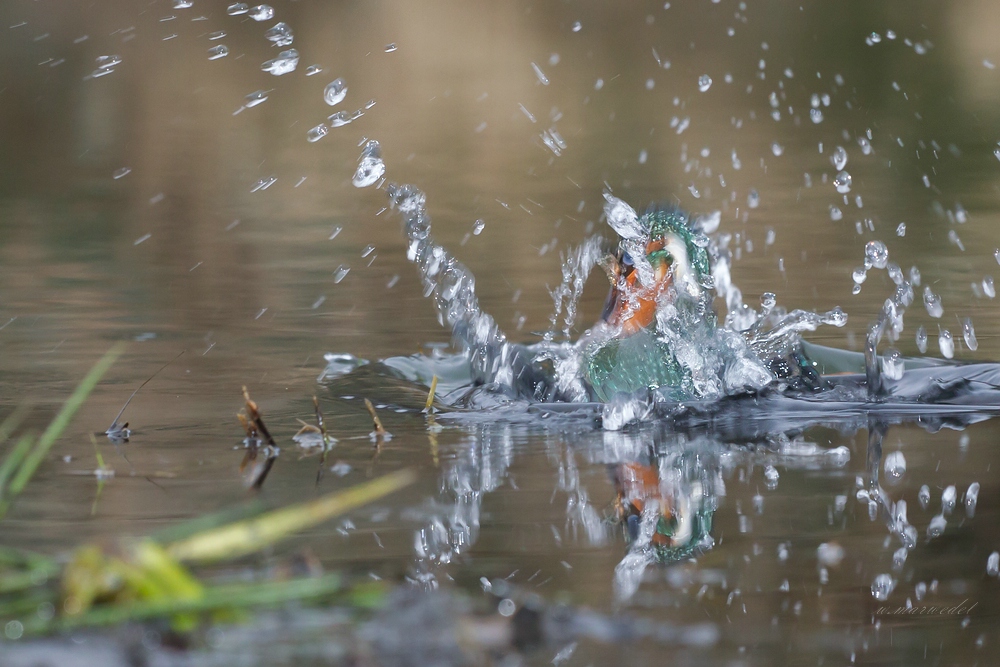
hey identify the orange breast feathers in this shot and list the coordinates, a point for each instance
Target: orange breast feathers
(634, 306)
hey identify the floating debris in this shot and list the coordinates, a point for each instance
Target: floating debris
(119, 433)
(258, 442)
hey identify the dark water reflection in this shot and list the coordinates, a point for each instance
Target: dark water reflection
(522, 497)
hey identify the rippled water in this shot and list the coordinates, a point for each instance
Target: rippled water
(136, 203)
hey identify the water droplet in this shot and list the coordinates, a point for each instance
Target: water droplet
(218, 34)
(876, 254)
(971, 498)
(753, 199)
(335, 92)
(842, 181)
(948, 497)
(370, 165)
(540, 75)
(924, 496)
(121, 173)
(988, 288)
(262, 13)
(901, 229)
(368, 249)
(873, 38)
(768, 300)
(313, 70)
(342, 118)
(217, 52)
(264, 183)
(237, 8)
(816, 115)
(255, 98)
(839, 158)
(106, 63)
(317, 133)
(389, 48)
(895, 466)
(340, 273)
(893, 367)
(946, 344)
(183, 4)
(866, 146)
(280, 33)
(915, 276)
(899, 558)
(860, 275)
(932, 302)
(286, 62)
(993, 564)
(836, 213)
(883, 586)
(969, 334)
(478, 226)
(577, 26)
(771, 477)
(954, 239)
(922, 339)
(937, 526)
(777, 149)
(704, 82)
(623, 218)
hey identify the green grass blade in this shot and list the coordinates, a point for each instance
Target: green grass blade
(245, 537)
(61, 421)
(13, 460)
(236, 596)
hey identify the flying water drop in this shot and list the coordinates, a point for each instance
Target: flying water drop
(860, 275)
(895, 466)
(946, 344)
(342, 118)
(340, 273)
(317, 133)
(922, 339)
(478, 227)
(876, 254)
(937, 526)
(816, 115)
(389, 48)
(280, 34)
(971, 498)
(839, 158)
(777, 149)
(370, 166)
(969, 334)
(988, 288)
(262, 13)
(313, 70)
(771, 477)
(183, 4)
(932, 302)
(255, 98)
(993, 564)
(704, 82)
(883, 586)
(237, 8)
(948, 497)
(623, 218)
(753, 199)
(286, 62)
(901, 229)
(842, 181)
(217, 52)
(924, 496)
(335, 92)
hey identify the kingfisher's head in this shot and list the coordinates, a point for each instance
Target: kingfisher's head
(659, 259)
